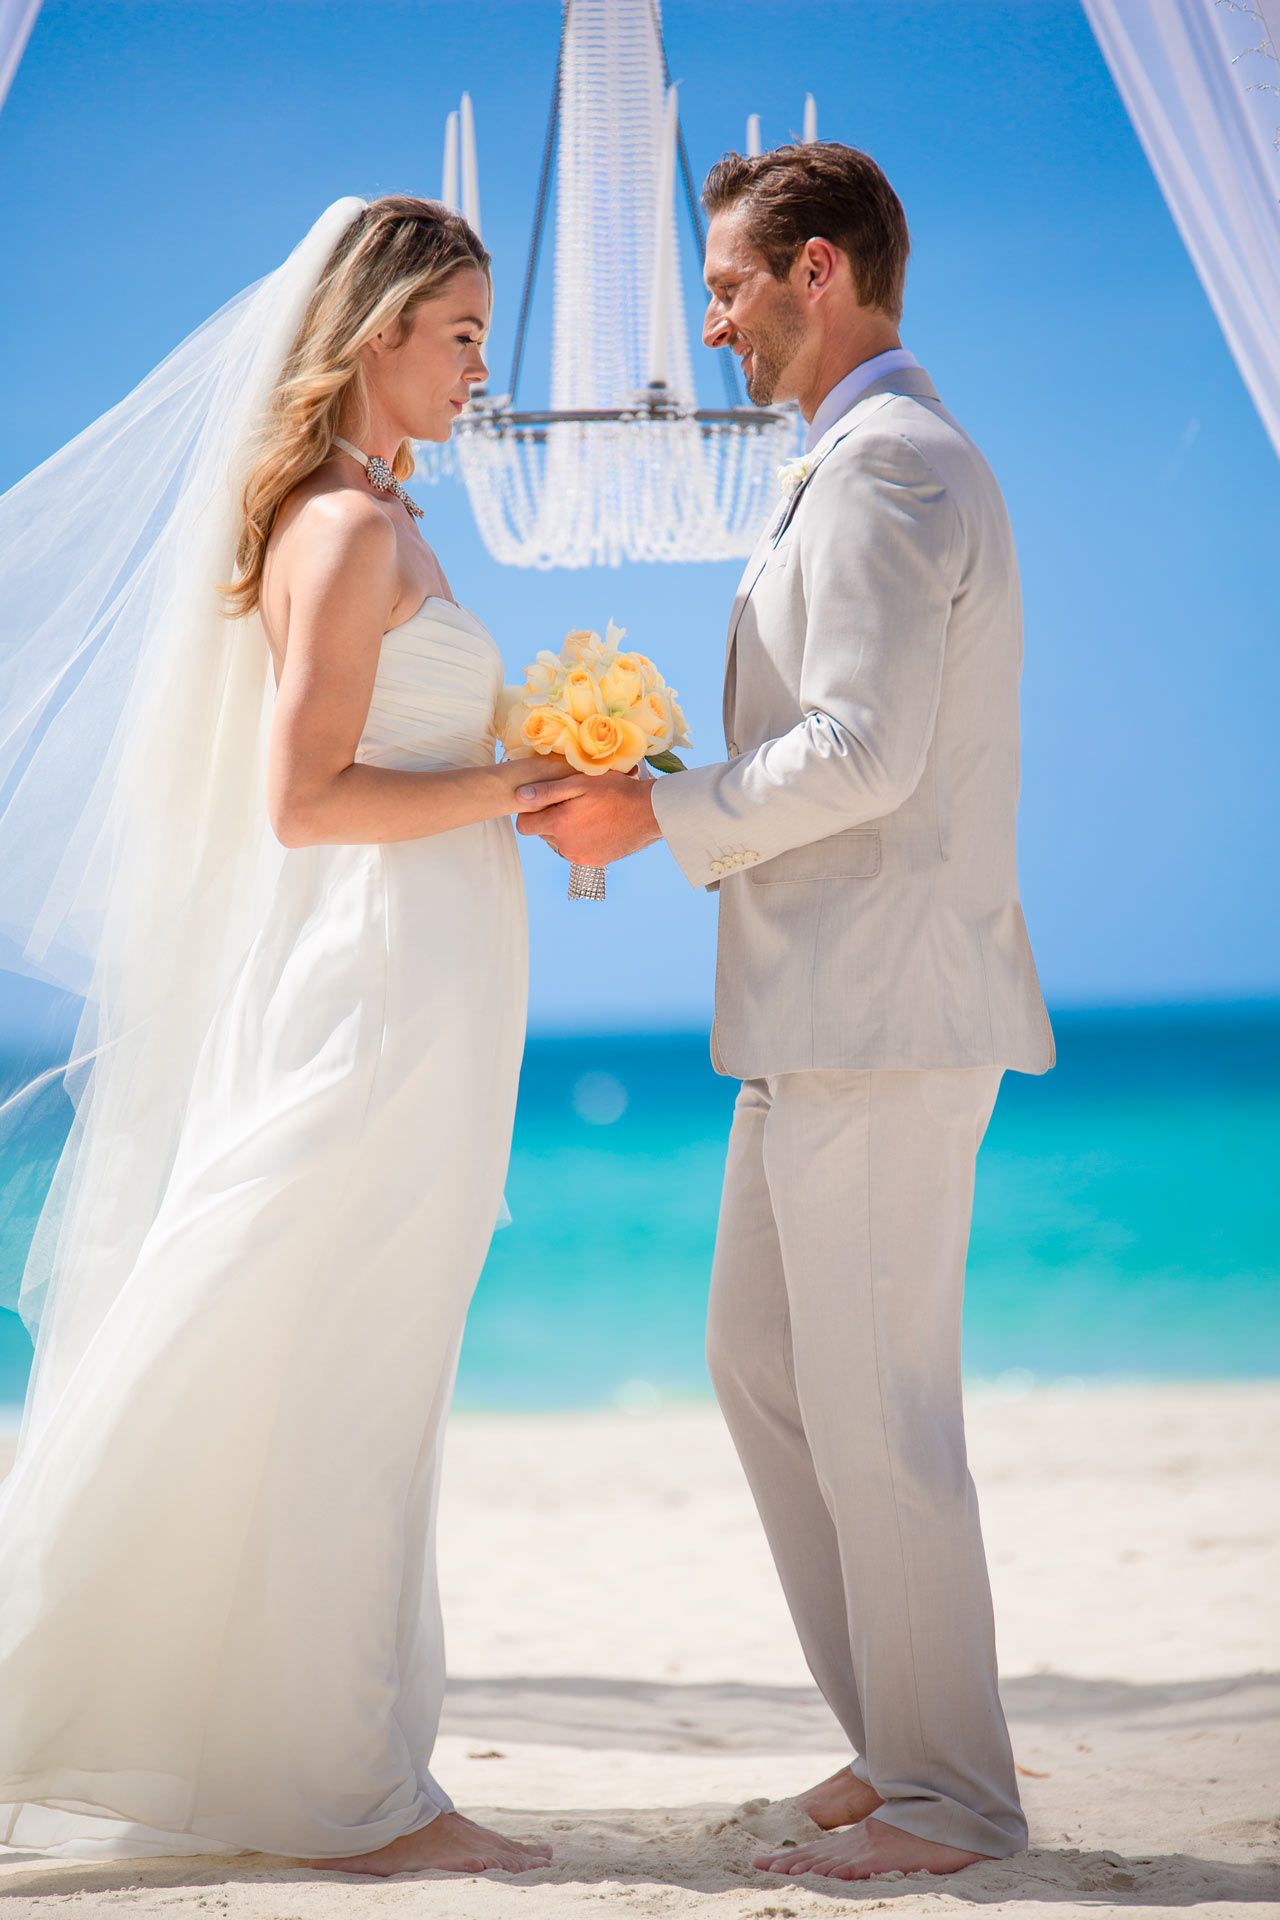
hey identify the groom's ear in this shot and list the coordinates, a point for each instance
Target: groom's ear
(818, 266)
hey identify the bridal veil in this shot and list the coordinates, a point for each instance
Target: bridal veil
(135, 851)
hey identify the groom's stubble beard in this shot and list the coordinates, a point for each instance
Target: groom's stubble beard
(774, 346)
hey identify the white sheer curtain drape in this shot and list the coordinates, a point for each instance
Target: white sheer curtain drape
(1201, 81)
(17, 17)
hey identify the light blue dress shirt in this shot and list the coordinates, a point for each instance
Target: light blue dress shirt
(842, 396)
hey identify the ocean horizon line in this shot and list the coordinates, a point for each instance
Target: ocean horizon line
(1264, 1004)
(1242, 1006)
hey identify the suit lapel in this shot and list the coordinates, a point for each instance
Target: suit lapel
(857, 416)
(750, 574)
(912, 380)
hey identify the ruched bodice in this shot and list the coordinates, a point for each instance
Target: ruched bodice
(435, 692)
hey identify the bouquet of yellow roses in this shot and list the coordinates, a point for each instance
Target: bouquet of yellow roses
(602, 710)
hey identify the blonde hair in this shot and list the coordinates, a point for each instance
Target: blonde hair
(396, 253)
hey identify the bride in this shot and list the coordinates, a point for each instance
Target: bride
(272, 852)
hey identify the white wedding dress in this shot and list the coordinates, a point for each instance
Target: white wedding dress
(219, 1622)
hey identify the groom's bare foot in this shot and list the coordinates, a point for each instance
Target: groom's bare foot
(869, 1848)
(839, 1801)
(448, 1844)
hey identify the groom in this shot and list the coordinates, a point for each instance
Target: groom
(874, 981)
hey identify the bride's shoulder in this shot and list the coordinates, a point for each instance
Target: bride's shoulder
(322, 506)
(340, 521)
(323, 531)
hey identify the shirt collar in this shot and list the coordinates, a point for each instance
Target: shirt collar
(842, 396)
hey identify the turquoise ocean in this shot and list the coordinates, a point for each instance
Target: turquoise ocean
(1127, 1220)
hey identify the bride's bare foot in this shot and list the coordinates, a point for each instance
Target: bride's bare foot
(448, 1844)
(839, 1800)
(869, 1848)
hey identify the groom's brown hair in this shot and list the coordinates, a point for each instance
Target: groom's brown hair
(819, 190)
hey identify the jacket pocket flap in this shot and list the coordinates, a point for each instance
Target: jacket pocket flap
(852, 855)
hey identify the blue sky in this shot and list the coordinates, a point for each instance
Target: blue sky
(154, 157)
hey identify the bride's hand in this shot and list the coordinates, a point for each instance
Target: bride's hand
(549, 770)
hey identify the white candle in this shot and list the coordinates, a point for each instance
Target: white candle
(470, 170)
(449, 181)
(663, 243)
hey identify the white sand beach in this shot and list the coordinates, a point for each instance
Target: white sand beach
(626, 1681)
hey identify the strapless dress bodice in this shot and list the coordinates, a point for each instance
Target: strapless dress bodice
(435, 692)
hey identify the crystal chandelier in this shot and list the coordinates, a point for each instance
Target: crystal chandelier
(623, 464)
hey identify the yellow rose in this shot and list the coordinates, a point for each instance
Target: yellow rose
(547, 730)
(654, 715)
(682, 726)
(605, 744)
(581, 695)
(622, 686)
(649, 674)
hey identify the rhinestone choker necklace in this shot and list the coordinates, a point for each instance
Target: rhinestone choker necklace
(381, 478)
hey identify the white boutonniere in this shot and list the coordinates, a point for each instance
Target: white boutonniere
(792, 474)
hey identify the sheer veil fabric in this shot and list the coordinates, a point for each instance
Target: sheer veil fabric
(135, 851)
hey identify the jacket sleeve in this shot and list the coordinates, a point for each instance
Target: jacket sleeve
(881, 553)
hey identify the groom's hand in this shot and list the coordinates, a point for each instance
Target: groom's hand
(593, 820)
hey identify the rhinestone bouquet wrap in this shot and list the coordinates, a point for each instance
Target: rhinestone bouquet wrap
(601, 709)
(586, 883)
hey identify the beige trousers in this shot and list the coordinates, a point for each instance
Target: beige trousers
(834, 1345)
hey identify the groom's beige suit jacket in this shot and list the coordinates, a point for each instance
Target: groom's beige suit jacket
(862, 831)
